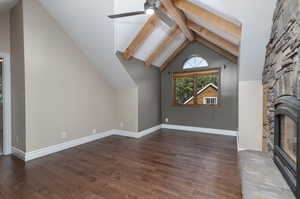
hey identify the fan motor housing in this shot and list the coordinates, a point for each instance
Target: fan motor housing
(152, 4)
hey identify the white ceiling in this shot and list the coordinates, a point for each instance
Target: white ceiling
(99, 37)
(87, 24)
(6, 4)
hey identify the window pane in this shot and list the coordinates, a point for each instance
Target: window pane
(196, 87)
(210, 100)
(184, 90)
(195, 62)
(207, 89)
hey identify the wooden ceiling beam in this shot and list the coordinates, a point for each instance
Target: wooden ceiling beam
(209, 17)
(217, 49)
(213, 38)
(179, 18)
(162, 46)
(164, 66)
(141, 37)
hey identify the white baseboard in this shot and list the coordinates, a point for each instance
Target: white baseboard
(238, 145)
(200, 130)
(139, 134)
(149, 131)
(242, 149)
(126, 133)
(66, 145)
(18, 153)
(69, 144)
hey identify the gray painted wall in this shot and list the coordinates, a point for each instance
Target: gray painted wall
(224, 116)
(148, 81)
(4, 32)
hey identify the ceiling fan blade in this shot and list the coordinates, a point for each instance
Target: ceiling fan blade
(127, 14)
(165, 18)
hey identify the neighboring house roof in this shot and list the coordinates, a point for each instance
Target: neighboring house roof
(201, 91)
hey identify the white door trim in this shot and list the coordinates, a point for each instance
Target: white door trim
(7, 111)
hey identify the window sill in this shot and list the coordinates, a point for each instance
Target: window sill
(195, 105)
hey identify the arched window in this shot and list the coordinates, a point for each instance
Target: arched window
(195, 62)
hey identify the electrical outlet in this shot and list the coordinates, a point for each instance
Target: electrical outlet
(167, 120)
(94, 131)
(64, 135)
(122, 124)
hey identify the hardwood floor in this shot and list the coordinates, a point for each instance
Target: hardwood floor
(163, 165)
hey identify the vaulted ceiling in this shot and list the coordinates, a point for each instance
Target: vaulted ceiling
(194, 24)
(100, 37)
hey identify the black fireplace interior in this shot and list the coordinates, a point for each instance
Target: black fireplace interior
(286, 148)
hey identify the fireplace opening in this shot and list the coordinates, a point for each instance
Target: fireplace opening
(286, 147)
(288, 137)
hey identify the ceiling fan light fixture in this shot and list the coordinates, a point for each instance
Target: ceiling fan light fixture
(151, 7)
(150, 11)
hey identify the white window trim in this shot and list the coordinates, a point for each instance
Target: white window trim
(205, 98)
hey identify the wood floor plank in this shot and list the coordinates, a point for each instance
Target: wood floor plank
(164, 165)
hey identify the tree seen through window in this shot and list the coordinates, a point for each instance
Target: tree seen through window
(192, 87)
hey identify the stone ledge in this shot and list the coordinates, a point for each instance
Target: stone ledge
(261, 178)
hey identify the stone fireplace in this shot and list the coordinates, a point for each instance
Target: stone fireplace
(281, 76)
(286, 150)
(281, 82)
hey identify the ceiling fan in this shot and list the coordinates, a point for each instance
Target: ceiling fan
(151, 7)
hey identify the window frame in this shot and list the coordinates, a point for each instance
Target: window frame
(195, 68)
(208, 70)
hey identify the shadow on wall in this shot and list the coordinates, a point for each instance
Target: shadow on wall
(148, 81)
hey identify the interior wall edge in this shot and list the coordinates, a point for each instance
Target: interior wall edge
(250, 114)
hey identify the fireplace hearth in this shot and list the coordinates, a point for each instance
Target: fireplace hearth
(286, 147)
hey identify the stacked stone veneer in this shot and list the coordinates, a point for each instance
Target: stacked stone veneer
(281, 74)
